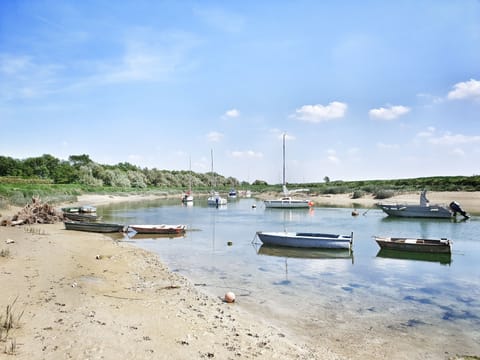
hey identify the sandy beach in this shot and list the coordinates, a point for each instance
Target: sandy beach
(79, 295)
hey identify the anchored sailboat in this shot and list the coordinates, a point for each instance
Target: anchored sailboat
(287, 202)
(215, 199)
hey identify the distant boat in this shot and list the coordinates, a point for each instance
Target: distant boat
(306, 240)
(287, 202)
(88, 209)
(215, 199)
(188, 197)
(94, 226)
(422, 210)
(81, 217)
(232, 193)
(159, 229)
(438, 246)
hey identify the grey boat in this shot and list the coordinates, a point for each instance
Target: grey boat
(98, 227)
(423, 210)
(306, 240)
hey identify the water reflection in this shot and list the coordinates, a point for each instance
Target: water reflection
(304, 253)
(443, 259)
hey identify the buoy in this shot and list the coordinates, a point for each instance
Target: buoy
(230, 297)
(354, 213)
(229, 243)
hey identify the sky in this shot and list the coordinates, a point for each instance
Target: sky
(363, 90)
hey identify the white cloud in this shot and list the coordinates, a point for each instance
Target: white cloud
(214, 136)
(318, 113)
(427, 133)
(458, 152)
(450, 139)
(332, 156)
(465, 90)
(246, 154)
(232, 113)
(390, 113)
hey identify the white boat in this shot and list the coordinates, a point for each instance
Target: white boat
(215, 199)
(188, 197)
(422, 210)
(287, 202)
(232, 194)
(306, 240)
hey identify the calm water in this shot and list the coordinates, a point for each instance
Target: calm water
(436, 299)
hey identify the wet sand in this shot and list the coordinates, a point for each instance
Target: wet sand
(90, 296)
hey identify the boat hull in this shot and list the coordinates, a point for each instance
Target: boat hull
(416, 211)
(287, 204)
(94, 227)
(158, 229)
(81, 217)
(306, 240)
(437, 246)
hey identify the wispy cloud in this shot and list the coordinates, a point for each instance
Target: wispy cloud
(454, 139)
(214, 136)
(465, 90)
(232, 113)
(389, 113)
(319, 113)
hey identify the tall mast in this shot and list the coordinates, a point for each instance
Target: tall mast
(284, 183)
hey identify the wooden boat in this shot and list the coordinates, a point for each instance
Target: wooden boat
(306, 240)
(94, 226)
(439, 246)
(81, 217)
(287, 202)
(159, 229)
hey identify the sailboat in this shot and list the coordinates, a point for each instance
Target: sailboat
(287, 202)
(215, 199)
(188, 197)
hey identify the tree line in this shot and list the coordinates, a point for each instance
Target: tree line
(80, 169)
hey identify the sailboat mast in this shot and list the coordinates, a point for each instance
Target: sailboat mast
(284, 183)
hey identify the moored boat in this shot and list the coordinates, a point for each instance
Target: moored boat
(287, 202)
(423, 210)
(94, 226)
(159, 229)
(439, 246)
(306, 239)
(81, 217)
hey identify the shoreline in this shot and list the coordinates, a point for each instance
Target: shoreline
(90, 295)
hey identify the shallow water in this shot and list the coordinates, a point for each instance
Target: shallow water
(367, 294)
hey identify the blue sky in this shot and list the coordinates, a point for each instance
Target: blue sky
(363, 89)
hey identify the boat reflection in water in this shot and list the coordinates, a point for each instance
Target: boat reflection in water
(137, 236)
(443, 259)
(305, 253)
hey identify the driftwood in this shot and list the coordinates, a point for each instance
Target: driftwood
(34, 213)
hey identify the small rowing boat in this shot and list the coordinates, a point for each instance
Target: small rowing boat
(439, 246)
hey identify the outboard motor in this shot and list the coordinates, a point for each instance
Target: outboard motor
(455, 207)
